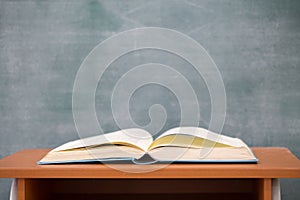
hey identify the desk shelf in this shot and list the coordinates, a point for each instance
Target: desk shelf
(139, 189)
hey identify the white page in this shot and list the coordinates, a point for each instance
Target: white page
(134, 136)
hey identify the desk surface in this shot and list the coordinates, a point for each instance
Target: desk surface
(274, 162)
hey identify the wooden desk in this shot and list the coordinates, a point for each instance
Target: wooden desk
(177, 181)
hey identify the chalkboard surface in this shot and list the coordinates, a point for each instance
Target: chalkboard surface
(255, 45)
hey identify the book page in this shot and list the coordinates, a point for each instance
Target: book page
(202, 154)
(198, 136)
(111, 152)
(134, 137)
(185, 140)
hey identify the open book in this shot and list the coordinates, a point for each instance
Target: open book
(182, 144)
